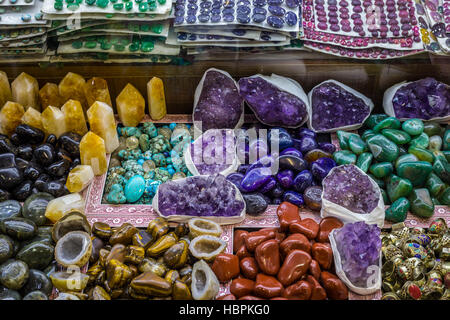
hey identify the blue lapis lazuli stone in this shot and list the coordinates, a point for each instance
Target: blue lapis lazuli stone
(277, 10)
(275, 22)
(258, 18)
(291, 18)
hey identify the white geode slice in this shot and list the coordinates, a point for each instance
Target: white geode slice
(205, 285)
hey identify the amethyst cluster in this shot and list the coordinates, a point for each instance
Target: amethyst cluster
(202, 196)
(350, 188)
(219, 105)
(359, 247)
(272, 106)
(424, 99)
(333, 107)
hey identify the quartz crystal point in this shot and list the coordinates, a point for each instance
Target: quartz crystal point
(25, 90)
(33, 118)
(10, 117)
(79, 178)
(102, 122)
(59, 207)
(156, 99)
(74, 117)
(72, 87)
(49, 96)
(130, 106)
(93, 153)
(53, 121)
(5, 89)
(96, 89)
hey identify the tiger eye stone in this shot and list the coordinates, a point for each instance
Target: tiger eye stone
(158, 227)
(123, 234)
(149, 284)
(142, 238)
(162, 244)
(172, 276)
(130, 106)
(49, 96)
(96, 89)
(101, 230)
(134, 254)
(315, 154)
(10, 117)
(98, 293)
(181, 291)
(176, 256)
(117, 274)
(74, 117)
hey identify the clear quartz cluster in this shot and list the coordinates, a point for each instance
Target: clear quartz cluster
(350, 188)
(199, 196)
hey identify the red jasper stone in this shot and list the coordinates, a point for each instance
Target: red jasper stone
(226, 267)
(227, 297)
(250, 298)
(294, 267)
(239, 239)
(267, 254)
(323, 253)
(267, 286)
(249, 267)
(242, 252)
(317, 292)
(295, 241)
(307, 226)
(242, 287)
(287, 214)
(280, 236)
(335, 288)
(326, 226)
(314, 269)
(255, 238)
(300, 290)
(279, 298)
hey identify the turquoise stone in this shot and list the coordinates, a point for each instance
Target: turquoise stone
(344, 157)
(134, 188)
(116, 195)
(388, 123)
(356, 144)
(397, 136)
(367, 134)
(432, 128)
(421, 141)
(398, 210)
(413, 127)
(417, 172)
(343, 137)
(446, 140)
(382, 148)
(445, 197)
(405, 158)
(381, 169)
(397, 187)
(364, 161)
(421, 203)
(375, 119)
(435, 185)
(379, 182)
(422, 154)
(435, 143)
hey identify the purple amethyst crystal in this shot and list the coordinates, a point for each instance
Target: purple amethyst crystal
(424, 99)
(350, 188)
(219, 105)
(202, 196)
(333, 107)
(272, 106)
(359, 247)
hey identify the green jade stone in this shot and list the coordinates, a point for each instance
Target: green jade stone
(144, 27)
(109, 15)
(417, 172)
(152, 6)
(129, 6)
(375, 119)
(388, 123)
(435, 185)
(344, 157)
(435, 143)
(379, 182)
(119, 47)
(364, 161)
(157, 28)
(102, 3)
(397, 136)
(367, 134)
(77, 44)
(147, 46)
(343, 137)
(421, 203)
(133, 48)
(446, 154)
(161, 2)
(143, 7)
(397, 187)
(356, 144)
(436, 202)
(413, 127)
(402, 151)
(73, 6)
(382, 148)
(381, 169)
(398, 210)
(58, 6)
(90, 44)
(421, 154)
(118, 6)
(445, 197)
(421, 141)
(90, 2)
(385, 197)
(106, 45)
(432, 128)
(405, 158)
(442, 168)
(446, 140)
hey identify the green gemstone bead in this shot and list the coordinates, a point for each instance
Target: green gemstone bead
(90, 44)
(106, 45)
(147, 46)
(161, 2)
(109, 15)
(90, 2)
(421, 203)
(446, 153)
(102, 3)
(397, 136)
(375, 119)
(364, 161)
(405, 158)
(77, 44)
(379, 182)
(129, 6)
(435, 143)
(382, 148)
(73, 7)
(445, 197)
(381, 169)
(435, 185)
(446, 140)
(417, 172)
(398, 210)
(432, 128)
(144, 28)
(58, 6)
(421, 154)
(397, 187)
(118, 6)
(134, 47)
(442, 168)
(356, 144)
(343, 139)
(119, 47)
(113, 1)
(344, 157)
(421, 141)
(152, 6)
(413, 127)
(143, 7)
(157, 28)
(385, 197)
(367, 134)
(70, 1)
(388, 123)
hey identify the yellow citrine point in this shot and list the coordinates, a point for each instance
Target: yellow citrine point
(5, 89)
(25, 90)
(59, 207)
(33, 118)
(72, 87)
(156, 99)
(93, 153)
(130, 106)
(102, 122)
(53, 121)
(96, 89)
(79, 178)
(10, 117)
(49, 96)
(74, 117)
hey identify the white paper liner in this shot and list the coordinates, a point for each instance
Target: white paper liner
(159, 48)
(355, 126)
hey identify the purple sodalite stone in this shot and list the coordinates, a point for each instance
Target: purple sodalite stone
(202, 196)
(271, 105)
(347, 187)
(219, 105)
(424, 99)
(359, 246)
(332, 107)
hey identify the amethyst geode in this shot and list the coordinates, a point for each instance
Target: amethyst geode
(272, 106)
(219, 105)
(348, 187)
(424, 99)
(202, 196)
(359, 246)
(334, 107)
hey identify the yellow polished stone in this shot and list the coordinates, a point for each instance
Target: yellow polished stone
(49, 96)
(102, 122)
(79, 178)
(33, 118)
(5, 89)
(72, 87)
(93, 153)
(74, 117)
(59, 207)
(130, 106)
(10, 117)
(156, 99)
(96, 89)
(25, 90)
(53, 121)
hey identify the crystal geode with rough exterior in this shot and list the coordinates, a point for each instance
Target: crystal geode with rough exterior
(332, 107)
(219, 105)
(424, 99)
(202, 196)
(272, 106)
(348, 187)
